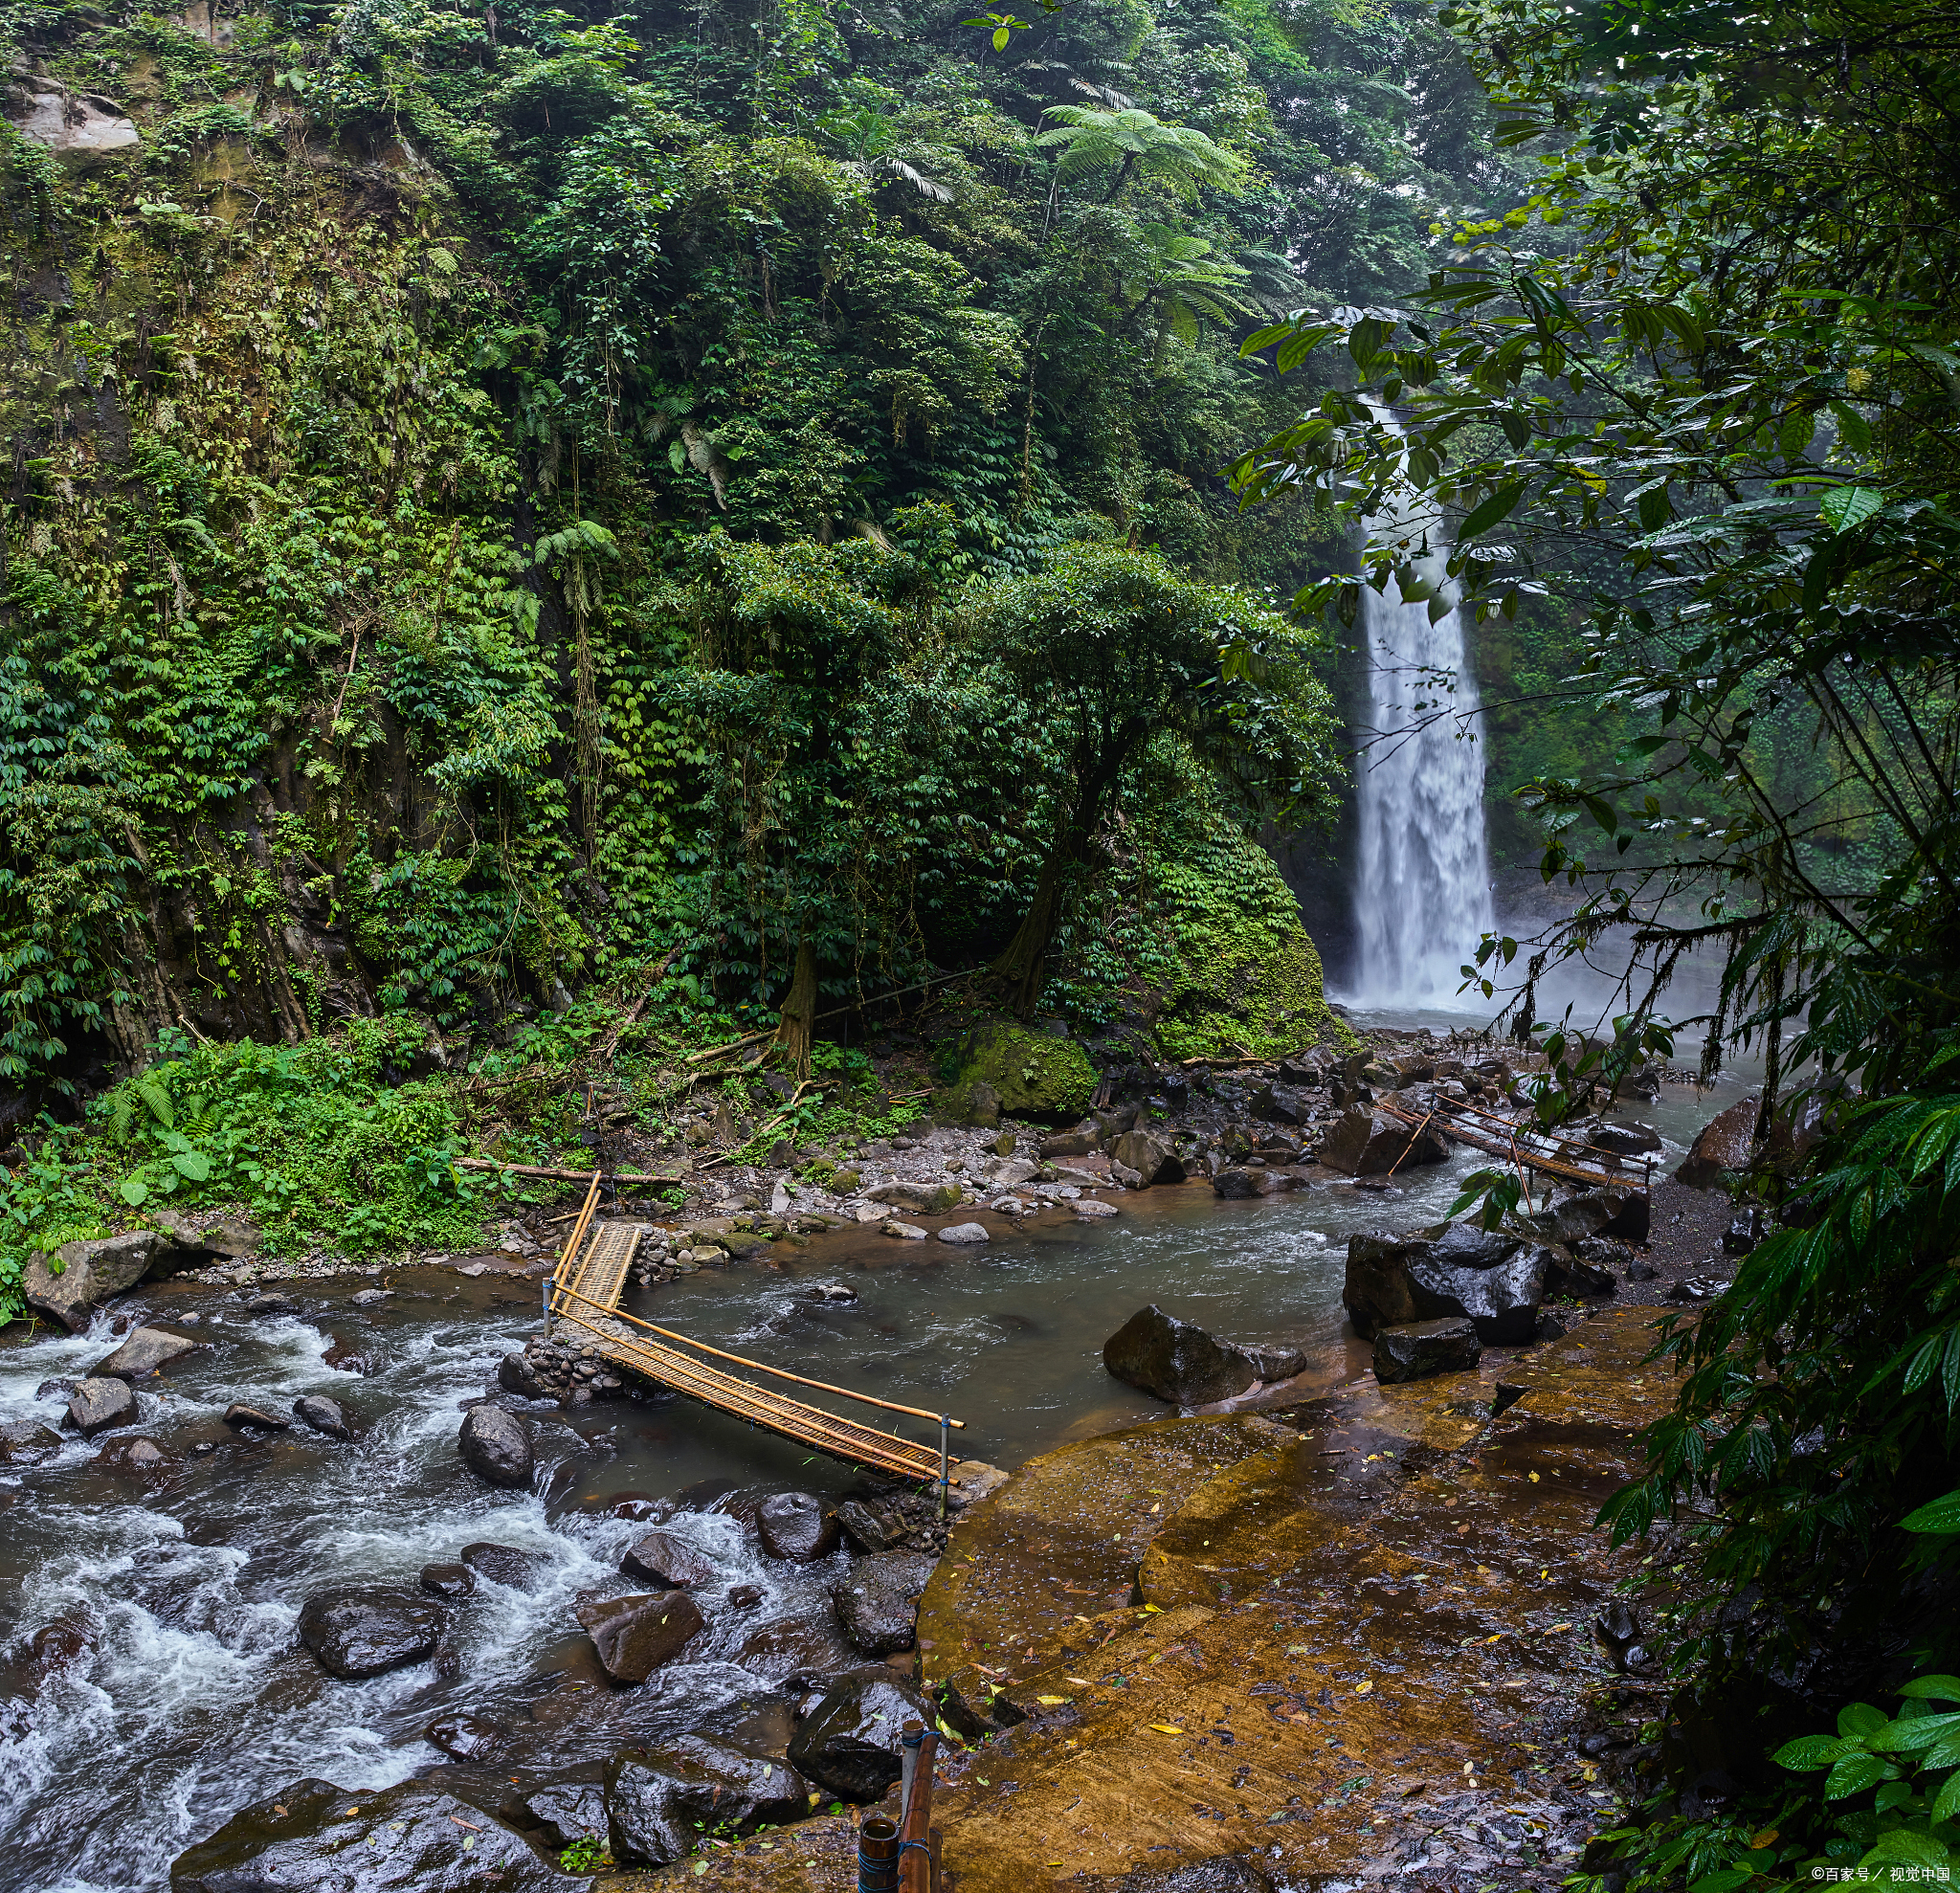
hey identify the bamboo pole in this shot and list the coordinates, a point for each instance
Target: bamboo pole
(762, 1367)
(915, 1850)
(809, 1426)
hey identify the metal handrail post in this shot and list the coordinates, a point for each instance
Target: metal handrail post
(944, 1436)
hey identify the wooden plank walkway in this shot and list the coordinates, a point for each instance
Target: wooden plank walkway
(586, 1291)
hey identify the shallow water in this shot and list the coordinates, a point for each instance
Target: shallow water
(195, 1699)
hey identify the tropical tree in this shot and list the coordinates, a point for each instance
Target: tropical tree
(1129, 142)
(1117, 647)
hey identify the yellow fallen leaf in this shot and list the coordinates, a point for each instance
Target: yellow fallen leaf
(1493, 1640)
(1154, 1610)
(1533, 1478)
(1167, 1728)
(1051, 1699)
(1362, 1689)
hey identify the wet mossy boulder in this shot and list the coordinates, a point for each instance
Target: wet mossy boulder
(1029, 1074)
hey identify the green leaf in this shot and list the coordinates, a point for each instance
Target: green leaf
(134, 1192)
(1910, 1848)
(1854, 1773)
(1846, 507)
(191, 1165)
(1499, 506)
(1948, 1806)
(1725, 1882)
(1810, 1752)
(1933, 1688)
(1860, 1719)
(1941, 1517)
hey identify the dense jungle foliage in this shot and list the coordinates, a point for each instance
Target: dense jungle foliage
(503, 495)
(1717, 351)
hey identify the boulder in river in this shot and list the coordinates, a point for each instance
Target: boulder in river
(352, 1357)
(1150, 1156)
(659, 1557)
(634, 1636)
(503, 1563)
(850, 1742)
(143, 1351)
(497, 1447)
(797, 1525)
(69, 1286)
(1176, 1360)
(97, 1405)
(964, 1232)
(1623, 1138)
(28, 1443)
(660, 1801)
(1452, 1269)
(1724, 1143)
(1274, 1360)
(877, 1600)
(1613, 1209)
(1365, 1143)
(135, 1456)
(467, 1737)
(324, 1415)
(515, 1374)
(413, 1837)
(364, 1630)
(1417, 1349)
(447, 1581)
(245, 1419)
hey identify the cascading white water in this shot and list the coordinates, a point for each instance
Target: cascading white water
(1422, 893)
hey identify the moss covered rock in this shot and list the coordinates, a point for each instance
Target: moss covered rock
(1030, 1074)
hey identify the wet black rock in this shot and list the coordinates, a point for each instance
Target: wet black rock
(28, 1443)
(53, 1648)
(1744, 1234)
(1624, 1139)
(273, 1304)
(1491, 1277)
(1366, 1143)
(497, 1447)
(324, 1415)
(358, 1631)
(447, 1581)
(974, 1705)
(744, 1596)
(661, 1799)
(515, 1374)
(1698, 1288)
(505, 1565)
(878, 1601)
(570, 1805)
(659, 1557)
(1176, 1360)
(1612, 1211)
(97, 1405)
(849, 1742)
(807, 1645)
(1280, 1104)
(1640, 1269)
(1575, 1277)
(467, 1737)
(1274, 1360)
(892, 1522)
(1415, 1351)
(137, 1457)
(1618, 1622)
(143, 1351)
(797, 1525)
(238, 1415)
(634, 1636)
(55, 1390)
(410, 1839)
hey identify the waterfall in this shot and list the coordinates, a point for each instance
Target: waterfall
(1422, 892)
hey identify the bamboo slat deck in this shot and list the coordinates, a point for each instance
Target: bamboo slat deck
(586, 1291)
(1515, 1146)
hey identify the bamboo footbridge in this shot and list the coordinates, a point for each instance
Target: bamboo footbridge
(585, 1290)
(1501, 1137)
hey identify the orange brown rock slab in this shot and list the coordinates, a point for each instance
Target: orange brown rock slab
(1358, 1643)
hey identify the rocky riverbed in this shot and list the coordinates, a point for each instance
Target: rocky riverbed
(468, 1653)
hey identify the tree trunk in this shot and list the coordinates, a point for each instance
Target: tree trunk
(1024, 966)
(799, 1010)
